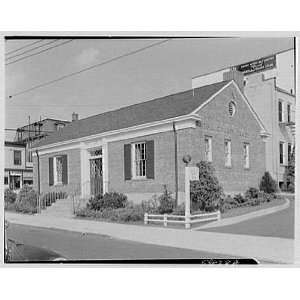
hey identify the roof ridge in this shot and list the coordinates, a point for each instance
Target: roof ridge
(155, 99)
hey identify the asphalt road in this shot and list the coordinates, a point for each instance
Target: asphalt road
(75, 246)
(280, 224)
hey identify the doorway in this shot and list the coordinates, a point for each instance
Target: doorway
(96, 176)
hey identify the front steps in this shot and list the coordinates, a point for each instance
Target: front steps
(60, 208)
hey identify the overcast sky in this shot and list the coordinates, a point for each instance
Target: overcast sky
(158, 71)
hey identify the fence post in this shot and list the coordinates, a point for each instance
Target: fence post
(187, 221)
(165, 220)
(219, 215)
(146, 218)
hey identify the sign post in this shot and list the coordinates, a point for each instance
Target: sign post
(191, 173)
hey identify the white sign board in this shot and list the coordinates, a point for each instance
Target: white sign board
(193, 173)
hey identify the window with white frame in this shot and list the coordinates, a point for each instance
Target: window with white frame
(281, 153)
(288, 108)
(58, 169)
(289, 152)
(280, 111)
(227, 146)
(208, 148)
(246, 156)
(139, 160)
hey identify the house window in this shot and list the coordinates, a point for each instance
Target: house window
(6, 180)
(58, 169)
(139, 160)
(17, 157)
(227, 146)
(289, 152)
(281, 145)
(289, 113)
(59, 126)
(208, 148)
(246, 156)
(280, 112)
(231, 108)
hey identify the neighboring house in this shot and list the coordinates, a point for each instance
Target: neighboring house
(132, 149)
(18, 153)
(36, 131)
(16, 172)
(274, 105)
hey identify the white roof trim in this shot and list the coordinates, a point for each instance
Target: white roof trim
(210, 98)
(123, 130)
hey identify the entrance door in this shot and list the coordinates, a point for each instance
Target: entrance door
(96, 176)
(15, 182)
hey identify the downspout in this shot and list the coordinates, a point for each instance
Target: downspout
(176, 165)
(39, 186)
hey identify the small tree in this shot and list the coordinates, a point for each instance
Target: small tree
(206, 193)
(268, 184)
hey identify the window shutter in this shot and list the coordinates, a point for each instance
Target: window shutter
(64, 169)
(127, 161)
(150, 159)
(51, 179)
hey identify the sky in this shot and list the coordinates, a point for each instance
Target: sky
(155, 72)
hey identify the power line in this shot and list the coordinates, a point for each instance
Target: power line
(29, 50)
(88, 68)
(16, 50)
(49, 48)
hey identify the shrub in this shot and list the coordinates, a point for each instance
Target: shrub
(26, 201)
(179, 210)
(166, 202)
(151, 206)
(131, 213)
(9, 196)
(291, 187)
(252, 193)
(206, 193)
(268, 184)
(239, 198)
(108, 200)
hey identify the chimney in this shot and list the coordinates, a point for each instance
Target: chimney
(74, 117)
(237, 76)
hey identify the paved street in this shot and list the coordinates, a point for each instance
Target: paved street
(76, 246)
(280, 224)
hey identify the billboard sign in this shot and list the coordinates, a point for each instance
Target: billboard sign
(258, 65)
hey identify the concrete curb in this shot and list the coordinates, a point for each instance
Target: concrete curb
(245, 217)
(277, 250)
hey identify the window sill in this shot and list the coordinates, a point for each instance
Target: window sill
(140, 179)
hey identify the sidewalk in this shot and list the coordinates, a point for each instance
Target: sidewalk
(277, 250)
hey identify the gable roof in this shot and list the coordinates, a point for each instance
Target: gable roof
(159, 109)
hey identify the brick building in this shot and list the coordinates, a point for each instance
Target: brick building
(132, 149)
(269, 86)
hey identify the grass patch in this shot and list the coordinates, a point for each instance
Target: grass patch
(247, 209)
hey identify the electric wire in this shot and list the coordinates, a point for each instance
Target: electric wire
(88, 68)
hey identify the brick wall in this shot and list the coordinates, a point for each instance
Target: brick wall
(217, 123)
(74, 178)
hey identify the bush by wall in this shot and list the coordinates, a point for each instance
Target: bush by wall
(166, 202)
(268, 184)
(111, 200)
(130, 213)
(26, 201)
(252, 193)
(206, 193)
(9, 196)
